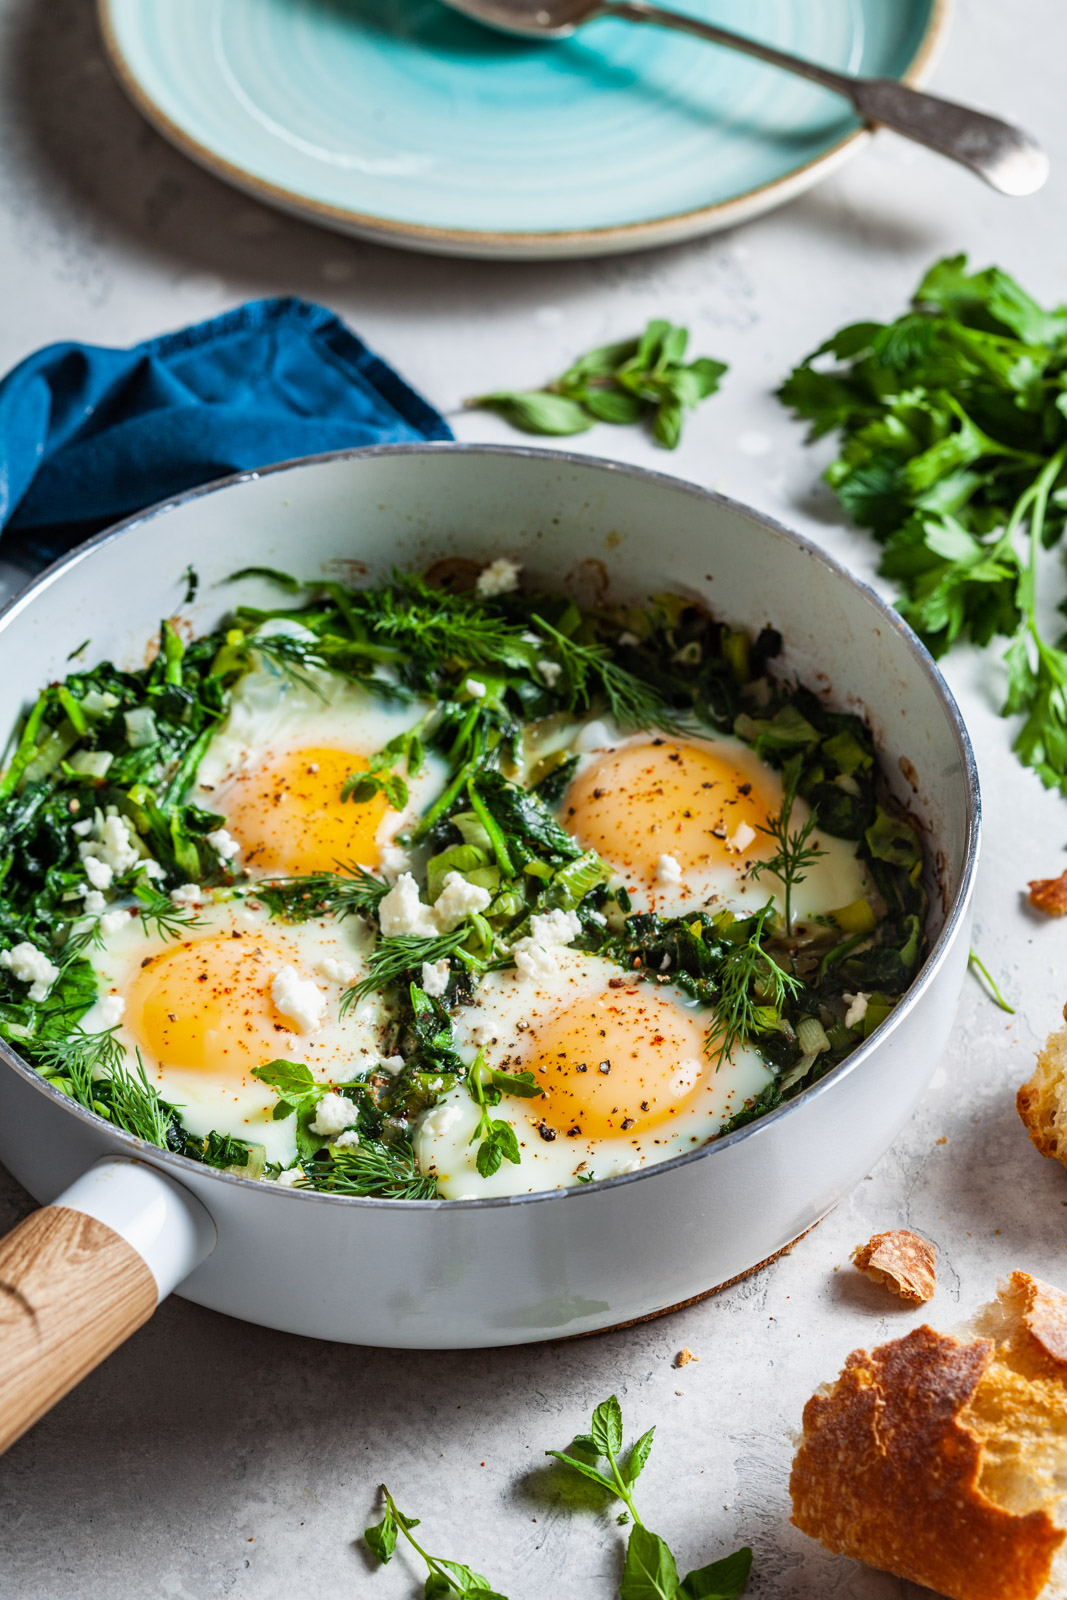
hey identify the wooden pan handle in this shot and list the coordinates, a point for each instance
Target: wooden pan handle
(78, 1277)
(71, 1290)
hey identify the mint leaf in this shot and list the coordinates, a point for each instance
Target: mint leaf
(637, 1457)
(289, 1077)
(585, 1469)
(381, 1538)
(535, 411)
(649, 1572)
(606, 1431)
(721, 1580)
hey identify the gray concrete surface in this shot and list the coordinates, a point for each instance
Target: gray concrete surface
(211, 1458)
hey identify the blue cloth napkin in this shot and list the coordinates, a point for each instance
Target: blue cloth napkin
(89, 434)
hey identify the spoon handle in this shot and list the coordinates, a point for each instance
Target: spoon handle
(1006, 157)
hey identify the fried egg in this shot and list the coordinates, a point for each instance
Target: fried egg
(237, 990)
(276, 767)
(678, 820)
(625, 1079)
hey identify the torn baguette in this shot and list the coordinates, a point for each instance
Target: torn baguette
(943, 1459)
(1042, 1100)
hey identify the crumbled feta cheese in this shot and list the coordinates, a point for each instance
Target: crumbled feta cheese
(665, 964)
(628, 638)
(110, 1011)
(336, 971)
(499, 577)
(741, 837)
(402, 912)
(857, 1009)
(394, 1065)
(594, 736)
(112, 921)
(109, 850)
(440, 1118)
(457, 900)
(81, 830)
(346, 1140)
(475, 688)
(846, 781)
(98, 872)
(290, 1177)
(535, 955)
(299, 1000)
(224, 844)
(668, 870)
(187, 894)
(550, 672)
(29, 965)
(333, 1115)
(394, 861)
(435, 977)
(94, 904)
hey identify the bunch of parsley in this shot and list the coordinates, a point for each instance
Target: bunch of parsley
(954, 427)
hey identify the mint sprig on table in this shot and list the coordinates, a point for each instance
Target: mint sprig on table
(650, 1571)
(625, 383)
(953, 428)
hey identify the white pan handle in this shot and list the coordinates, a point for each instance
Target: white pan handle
(82, 1274)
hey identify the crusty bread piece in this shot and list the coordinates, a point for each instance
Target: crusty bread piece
(901, 1260)
(943, 1459)
(1042, 1101)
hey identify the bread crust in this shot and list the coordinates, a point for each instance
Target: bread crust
(889, 1467)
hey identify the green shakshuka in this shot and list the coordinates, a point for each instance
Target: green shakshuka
(447, 886)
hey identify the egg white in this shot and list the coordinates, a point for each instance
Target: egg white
(334, 1051)
(506, 1005)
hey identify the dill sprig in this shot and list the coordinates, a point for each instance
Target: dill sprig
(392, 959)
(158, 911)
(794, 854)
(632, 702)
(753, 988)
(351, 889)
(92, 1068)
(387, 1171)
(434, 623)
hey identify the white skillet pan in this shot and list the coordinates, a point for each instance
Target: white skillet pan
(132, 1223)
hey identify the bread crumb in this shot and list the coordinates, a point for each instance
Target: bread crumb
(684, 1356)
(1049, 895)
(943, 1139)
(902, 1261)
(1042, 1100)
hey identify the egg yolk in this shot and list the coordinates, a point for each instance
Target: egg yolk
(205, 1005)
(615, 1063)
(288, 816)
(670, 797)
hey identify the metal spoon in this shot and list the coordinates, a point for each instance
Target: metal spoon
(1006, 157)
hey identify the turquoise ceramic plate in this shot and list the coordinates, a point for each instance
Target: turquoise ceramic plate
(401, 121)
